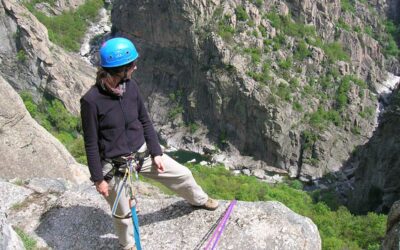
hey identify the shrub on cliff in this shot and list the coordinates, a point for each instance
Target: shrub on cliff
(68, 29)
(334, 51)
(241, 14)
(56, 119)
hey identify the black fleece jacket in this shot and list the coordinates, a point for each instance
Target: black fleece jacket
(114, 126)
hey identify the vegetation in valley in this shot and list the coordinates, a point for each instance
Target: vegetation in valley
(339, 229)
(68, 28)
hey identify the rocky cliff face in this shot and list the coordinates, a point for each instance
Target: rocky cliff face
(27, 149)
(232, 66)
(29, 61)
(378, 165)
(58, 6)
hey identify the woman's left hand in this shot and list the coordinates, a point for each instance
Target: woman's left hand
(159, 163)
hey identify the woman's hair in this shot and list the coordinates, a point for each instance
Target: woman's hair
(110, 75)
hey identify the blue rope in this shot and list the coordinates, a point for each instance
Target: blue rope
(136, 228)
(135, 219)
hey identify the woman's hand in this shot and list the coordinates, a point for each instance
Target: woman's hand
(102, 187)
(159, 163)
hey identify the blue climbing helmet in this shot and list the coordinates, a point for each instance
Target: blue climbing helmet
(117, 52)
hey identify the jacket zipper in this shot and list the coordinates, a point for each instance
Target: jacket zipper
(124, 114)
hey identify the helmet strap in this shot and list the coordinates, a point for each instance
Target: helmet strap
(125, 74)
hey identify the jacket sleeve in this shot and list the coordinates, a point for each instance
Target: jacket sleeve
(150, 134)
(90, 135)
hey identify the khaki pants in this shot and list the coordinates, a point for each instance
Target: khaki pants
(176, 177)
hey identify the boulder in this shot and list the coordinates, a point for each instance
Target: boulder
(9, 240)
(44, 185)
(259, 173)
(12, 194)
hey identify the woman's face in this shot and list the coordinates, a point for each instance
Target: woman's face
(130, 71)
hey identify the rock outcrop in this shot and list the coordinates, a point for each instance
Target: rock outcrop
(9, 240)
(81, 215)
(27, 149)
(29, 61)
(392, 238)
(222, 64)
(18, 194)
(58, 6)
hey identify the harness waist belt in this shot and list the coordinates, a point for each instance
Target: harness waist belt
(121, 160)
(119, 164)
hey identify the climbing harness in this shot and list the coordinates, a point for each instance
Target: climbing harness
(120, 164)
(218, 228)
(132, 167)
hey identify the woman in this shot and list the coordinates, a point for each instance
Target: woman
(116, 124)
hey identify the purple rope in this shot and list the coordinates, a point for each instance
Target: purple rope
(221, 226)
(224, 223)
(217, 228)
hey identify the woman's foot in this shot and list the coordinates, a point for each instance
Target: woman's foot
(211, 204)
